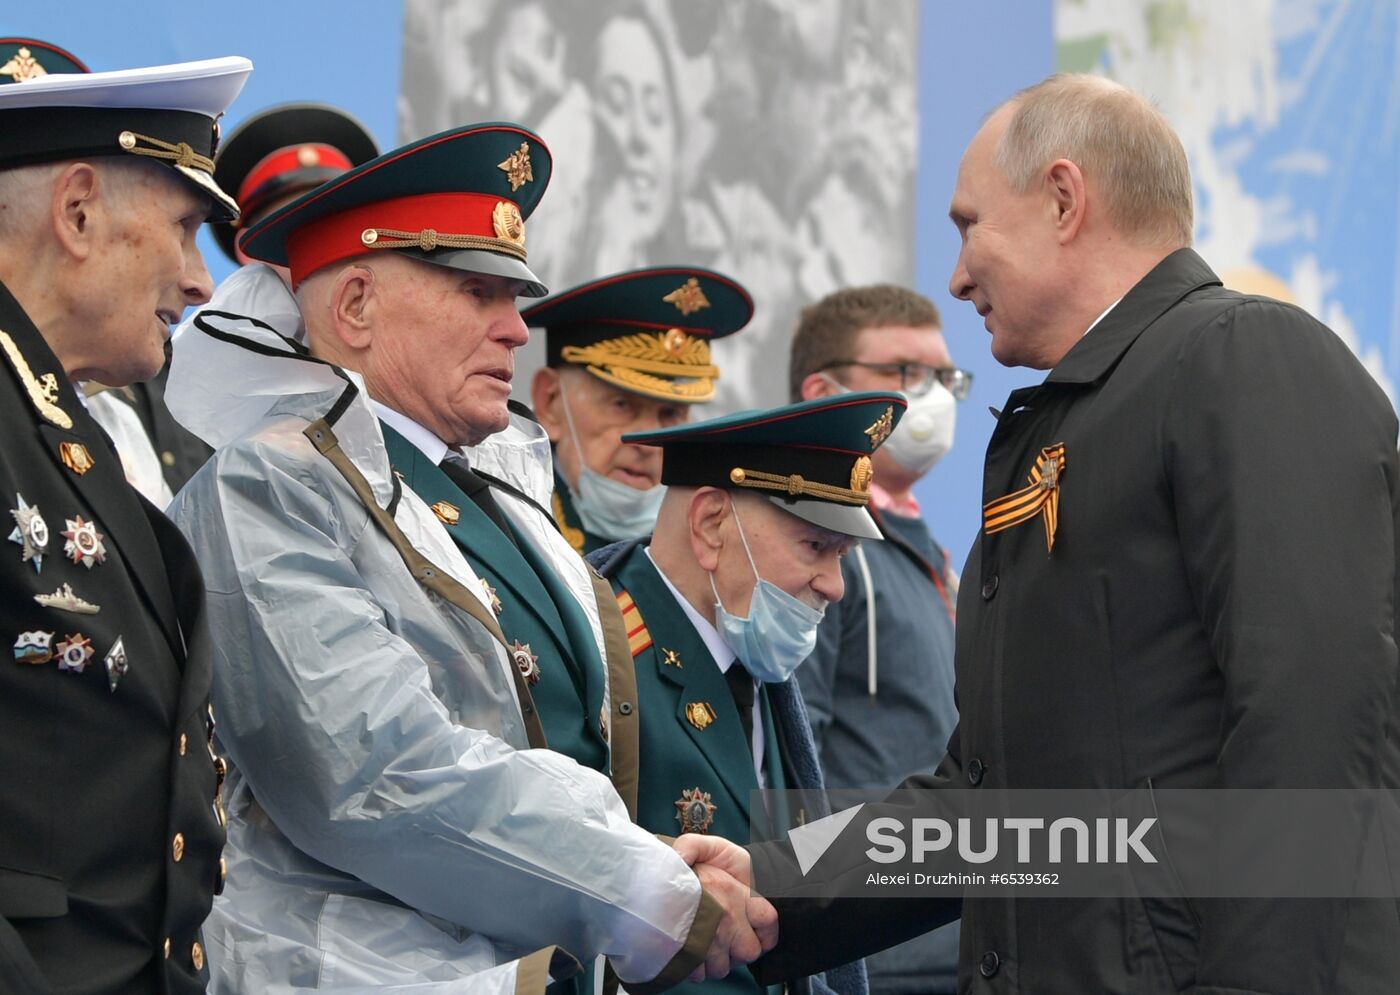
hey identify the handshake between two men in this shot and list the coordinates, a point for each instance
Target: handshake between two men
(748, 927)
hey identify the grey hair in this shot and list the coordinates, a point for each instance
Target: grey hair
(1117, 138)
(26, 191)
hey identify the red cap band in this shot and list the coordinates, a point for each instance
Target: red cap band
(341, 235)
(289, 160)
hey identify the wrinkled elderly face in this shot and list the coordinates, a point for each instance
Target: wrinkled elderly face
(1006, 265)
(601, 415)
(443, 347)
(797, 556)
(144, 272)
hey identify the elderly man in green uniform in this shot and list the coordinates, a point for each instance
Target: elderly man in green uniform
(626, 353)
(724, 603)
(404, 661)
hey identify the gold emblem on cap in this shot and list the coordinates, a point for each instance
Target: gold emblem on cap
(861, 475)
(688, 297)
(75, 456)
(369, 236)
(880, 431)
(700, 714)
(695, 811)
(674, 341)
(517, 167)
(308, 156)
(507, 222)
(447, 513)
(126, 140)
(23, 67)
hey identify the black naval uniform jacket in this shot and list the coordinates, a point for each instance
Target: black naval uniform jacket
(109, 836)
(1218, 609)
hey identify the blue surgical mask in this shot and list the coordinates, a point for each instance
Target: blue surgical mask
(780, 631)
(609, 508)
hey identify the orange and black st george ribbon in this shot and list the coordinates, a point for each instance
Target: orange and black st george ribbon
(1040, 498)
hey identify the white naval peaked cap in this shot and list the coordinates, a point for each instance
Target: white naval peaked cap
(165, 113)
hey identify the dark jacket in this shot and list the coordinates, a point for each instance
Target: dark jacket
(109, 841)
(1218, 609)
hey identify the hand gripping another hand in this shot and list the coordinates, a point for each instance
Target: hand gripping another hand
(749, 927)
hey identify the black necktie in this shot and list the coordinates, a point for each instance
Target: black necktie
(741, 687)
(478, 490)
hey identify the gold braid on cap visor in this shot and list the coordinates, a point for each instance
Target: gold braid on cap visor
(671, 366)
(429, 239)
(795, 485)
(178, 153)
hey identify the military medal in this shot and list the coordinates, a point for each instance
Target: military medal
(74, 653)
(447, 513)
(1041, 498)
(116, 663)
(84, 543)
(66, 600)
(700, 714)
(492, 598)
(76, 457)
(695, 811)
(526, 662)
(31, 532)
(34, 647)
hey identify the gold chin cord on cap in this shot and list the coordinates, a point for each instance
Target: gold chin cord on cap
(795, 485)
(179, 153)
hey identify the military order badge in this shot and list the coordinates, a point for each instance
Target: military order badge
(74, 653)
(695, 811)
(75, 456)
(526, 662)
(84, 542)
(31, 532)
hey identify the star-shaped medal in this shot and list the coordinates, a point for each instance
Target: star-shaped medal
(74, 653)
(31, 532)
(84, 543)
(695, 811)
(526, 662)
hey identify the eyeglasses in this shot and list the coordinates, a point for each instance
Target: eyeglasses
(916, 379)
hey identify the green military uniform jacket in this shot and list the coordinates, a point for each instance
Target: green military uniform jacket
(698, 772)
(543, 623)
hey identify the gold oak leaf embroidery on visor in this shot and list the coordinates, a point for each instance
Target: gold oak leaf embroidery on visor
(1041, 498)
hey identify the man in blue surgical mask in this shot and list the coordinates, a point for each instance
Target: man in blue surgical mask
(626, 353)
(725, 601)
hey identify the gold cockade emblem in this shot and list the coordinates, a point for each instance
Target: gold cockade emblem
(507, 222)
